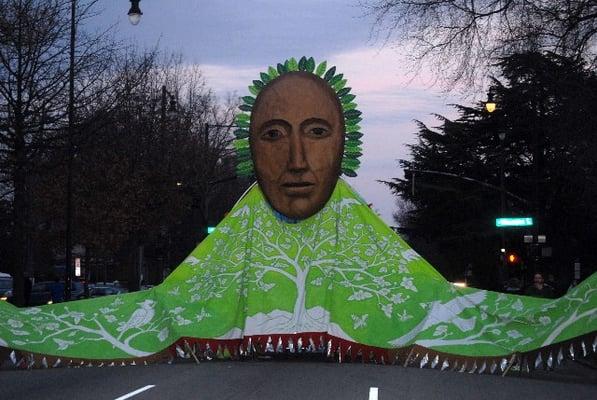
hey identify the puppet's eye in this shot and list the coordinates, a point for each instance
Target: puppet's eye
(318, 131)
(271, 134)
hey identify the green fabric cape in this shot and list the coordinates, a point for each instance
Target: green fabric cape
(340, 278)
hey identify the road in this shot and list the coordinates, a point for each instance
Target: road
(291, 380)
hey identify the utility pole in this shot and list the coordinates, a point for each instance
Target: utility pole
(69, 167)
(206, 186)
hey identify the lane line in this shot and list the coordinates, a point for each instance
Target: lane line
(136, 392)
(373, 393)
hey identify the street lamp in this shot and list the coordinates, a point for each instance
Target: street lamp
(490, 107)
(135, 12)
(68, 268)
(490, 104)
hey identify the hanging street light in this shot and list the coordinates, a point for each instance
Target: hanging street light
(135, 12)
(490, 104)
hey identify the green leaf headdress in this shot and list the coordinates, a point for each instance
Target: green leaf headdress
(352, 116)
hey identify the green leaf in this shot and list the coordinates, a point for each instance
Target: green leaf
(244, 168)
(347, 98)
(273, 74)
(340, 84)
(264, 77)
(352, 114)
(242, 117)
(254, 90)
(352, 128)
(249, 100)
(349, 106)
(292, 64)
(241, 133)
(321, 68)
(243, 153)
(281, 69)
(336, 79)
(258, 84)
(245, 107)
(350, 163)
(243, 124)
(343, 92)
(353, 153)
(241, 144)
(354, 135)
(353, 143)
(310, 64)
(349, 172)
(353, 120)
(246, 165)
(330, 74)
(302, 63)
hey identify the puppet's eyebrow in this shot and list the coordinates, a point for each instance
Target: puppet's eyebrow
(273, 122)
(316, 120)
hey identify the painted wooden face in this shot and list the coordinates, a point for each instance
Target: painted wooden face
(297, 142)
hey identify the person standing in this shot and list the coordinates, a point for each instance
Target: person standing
(539, 288)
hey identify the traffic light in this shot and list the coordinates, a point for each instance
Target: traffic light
(512, 258)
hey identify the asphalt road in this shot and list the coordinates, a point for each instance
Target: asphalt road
(291, 380)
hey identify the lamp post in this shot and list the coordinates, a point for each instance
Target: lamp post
(135, 12)
(69, 162)
(490, 107)
(134, 15)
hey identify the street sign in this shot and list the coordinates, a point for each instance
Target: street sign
(77, 267)
(528, 238)
(513, 222)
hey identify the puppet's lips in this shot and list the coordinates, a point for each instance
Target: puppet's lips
(297, 184)
(298, 188)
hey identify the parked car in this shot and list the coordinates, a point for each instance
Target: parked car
(41, 293)
(5, 286)
(77, 290)
(99, 291)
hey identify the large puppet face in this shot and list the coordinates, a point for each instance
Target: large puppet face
(297, 140)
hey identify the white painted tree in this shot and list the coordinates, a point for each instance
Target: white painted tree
(335, 251)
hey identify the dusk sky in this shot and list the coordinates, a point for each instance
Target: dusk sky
(232, 41)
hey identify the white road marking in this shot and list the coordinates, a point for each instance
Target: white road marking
(373, 393)
(136, 392)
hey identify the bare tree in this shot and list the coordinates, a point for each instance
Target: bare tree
(34, 70)
(462, 39)
(146, 178)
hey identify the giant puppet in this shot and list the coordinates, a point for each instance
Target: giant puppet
(302, 265)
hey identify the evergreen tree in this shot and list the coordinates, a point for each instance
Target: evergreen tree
(544, 112)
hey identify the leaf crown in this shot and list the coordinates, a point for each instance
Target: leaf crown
(352, 116)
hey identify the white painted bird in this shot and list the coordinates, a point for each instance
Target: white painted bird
(141, 316)
(191, 260)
